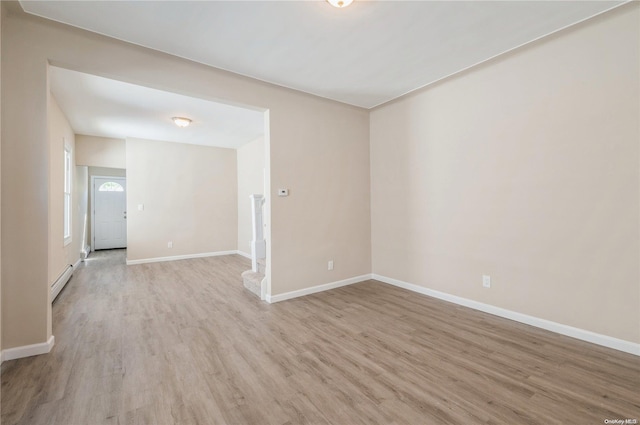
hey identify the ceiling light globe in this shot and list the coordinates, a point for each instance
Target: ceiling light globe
(340, 3)
(181, 121)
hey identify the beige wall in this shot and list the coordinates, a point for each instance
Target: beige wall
(318, 148)
(321, 155)
(24, 193)
(61, 255)
(1, 17)
(100, 151)
(251, 168)
(104, 171)
(189, 195)
(60, 134)
(525, 169)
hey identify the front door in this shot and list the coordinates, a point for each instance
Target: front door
(109, 212)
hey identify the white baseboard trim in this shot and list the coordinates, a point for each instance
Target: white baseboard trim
(581, 334)
(180, 257)
(28, 350)
(315, 289)
(263, 289)
(244, 254)
(77, 263)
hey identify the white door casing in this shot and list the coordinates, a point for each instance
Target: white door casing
(109, 207)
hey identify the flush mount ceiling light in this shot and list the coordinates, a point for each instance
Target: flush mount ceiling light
(340, 3)
(181, 121)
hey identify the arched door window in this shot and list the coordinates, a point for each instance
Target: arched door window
(110, 187)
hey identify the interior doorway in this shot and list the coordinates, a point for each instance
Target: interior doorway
(109, 212)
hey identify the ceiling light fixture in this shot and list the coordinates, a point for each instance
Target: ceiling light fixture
(181, 121)
(340, 3)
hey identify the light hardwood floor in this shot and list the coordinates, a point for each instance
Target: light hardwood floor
(184, 343)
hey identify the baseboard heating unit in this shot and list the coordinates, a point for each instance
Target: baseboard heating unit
(60, 282)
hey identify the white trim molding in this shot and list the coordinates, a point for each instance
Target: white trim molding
(180, 257)
(316, 289)
(244, 254)
(28, 350)
(581, 334)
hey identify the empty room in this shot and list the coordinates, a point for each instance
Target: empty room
(319, 212)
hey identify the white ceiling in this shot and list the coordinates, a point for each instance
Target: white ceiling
(98, 106)
(364, 55)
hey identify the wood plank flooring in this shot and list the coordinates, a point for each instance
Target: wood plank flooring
(184, 343)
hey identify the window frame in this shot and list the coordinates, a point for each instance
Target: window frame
(67, 196)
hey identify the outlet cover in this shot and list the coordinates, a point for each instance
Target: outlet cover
(486, 281)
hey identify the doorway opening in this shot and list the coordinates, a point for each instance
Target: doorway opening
(202, 207)
(108, 212)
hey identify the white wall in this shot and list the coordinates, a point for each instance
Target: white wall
(189, 194)
(251, 169)
(525, 169)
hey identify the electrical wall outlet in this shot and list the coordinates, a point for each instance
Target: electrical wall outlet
(486, 281)
(170, 244)
(330, 265)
